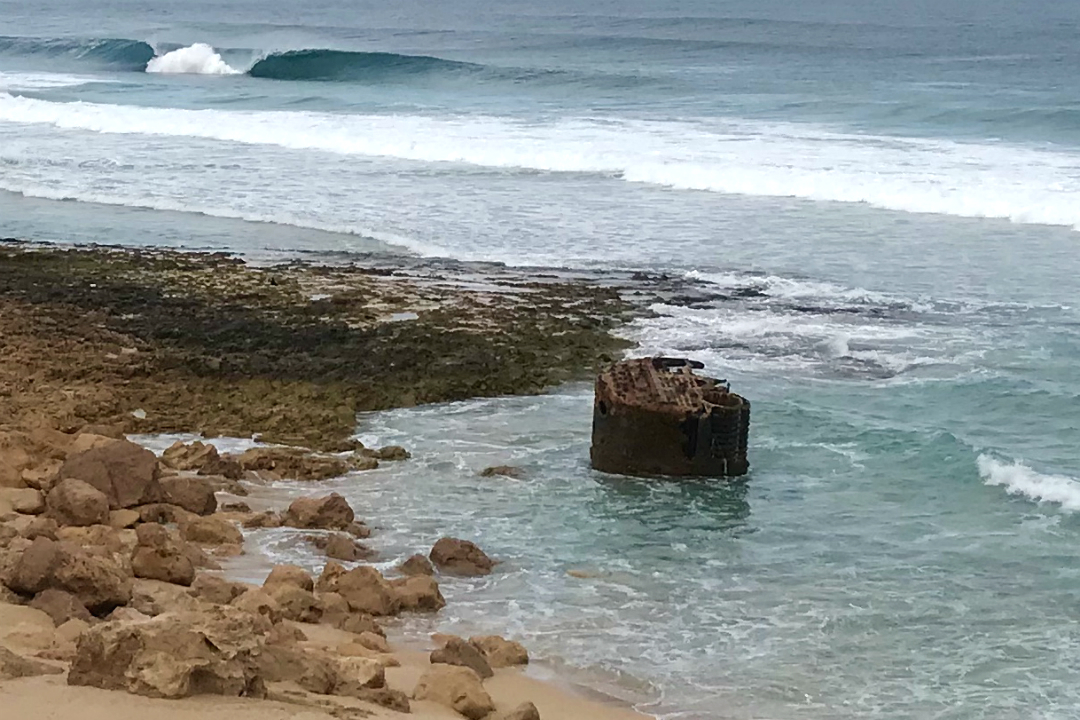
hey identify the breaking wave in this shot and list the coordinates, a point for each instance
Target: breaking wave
(342, 65)
(197, 59)
(1019, 479)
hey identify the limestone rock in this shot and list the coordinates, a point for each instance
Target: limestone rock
(460, 557)
(160, 557)
(373, 642)
(125, 472)
(237, 507)
(331, 512)
(97, 536)
(98, 582)
(41, 526)
(456, 687)
(355, 674)
(74, 502)
(14, 666)
(194, 494)
(386, 697)
(295, 603)
(499, 651)
(285, 634)
(389, 452)
(524, 711)
(164, 514)
(364, 588)
(293, 463)
(26, 501)
(290, 575)
(175, 655)
(154, 597)
(268, 519)
(458, 652)
(416, 565)
(216, 589)
(121, 519)
(211, 531)
(258, 602)
(313, 670)
(339, 546)
(358, 530)
(60, 606)
(193, 456)
(419, 593)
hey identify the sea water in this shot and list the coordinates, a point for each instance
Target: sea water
(881, 199)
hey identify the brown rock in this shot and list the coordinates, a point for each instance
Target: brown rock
(127, 614)
(125, 472)
(97, 536)
(41, 526)
(153, 598)
(389, 452)
(343, 547)
(456, 687)
(386, 697)
(356, 674)
(373, 642)
(26, 501)
(416, 565)
(500, 652)
(211, 652)
(194, 456)
(285, 634)
(296, 604)
(524, 711)
(60, 606)
(216, 589)
(266, 519)
(419, 593)
(14, 666)
(194, 494)
(121, 519)
(460, 557)
(158, 556)
(74, 502)
(364, 588)
(313, 670)
(258, 602)
(458, 652)
(98, 582)
(331, 512)
(211, 531)
(357, 623)
(293, 463)
(42, 477)
(503, 470)
(358, 530)
(290, 575)
(164, 514)
(238, 507)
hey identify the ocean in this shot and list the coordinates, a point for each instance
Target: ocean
(881, 200)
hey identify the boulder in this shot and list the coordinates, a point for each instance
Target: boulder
(373, 642)
(154, 597)
(293, 463)
(389, 452)
(364, 589)
(458, 652)
(499, 651)
(356, 674)
(313, 670)
(357, 623)
(285, 634)
(455, 687)
(164, 514)
(98, 536)
(26, 501)
(74, 502)
(41, 526)
(210, 531)
(416, 565)
(386, 697)
(125, 518)
(460, 557)
(125, 472)
(258, 602)
(339, 546)
(60, 606)
(524, 711)
(419, 593)
(158, 556)
(294, 603)
(290, 575)
(14, 666)
(193, 456)
(236, 507)
(358, 530)
(331, 512)
(194, 494)
(267, 519)
(216, 589)
(98, 582)
(211, 652)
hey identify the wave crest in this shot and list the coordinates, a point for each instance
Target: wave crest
(1019, 479)
(197, 59)
(344, 65)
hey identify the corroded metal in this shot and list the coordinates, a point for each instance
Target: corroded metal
(654, 416)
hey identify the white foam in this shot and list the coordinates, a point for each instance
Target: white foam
(197, 59)
(1019, 479)
(42, 81)
(1018, 183)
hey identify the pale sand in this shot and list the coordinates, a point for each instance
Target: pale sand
(27, 631)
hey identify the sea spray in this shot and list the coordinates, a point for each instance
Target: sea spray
(197, 59)
(1019, 479)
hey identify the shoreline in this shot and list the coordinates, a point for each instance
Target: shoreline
(132, 342)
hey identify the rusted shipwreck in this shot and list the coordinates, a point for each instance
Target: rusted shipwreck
(654, 416)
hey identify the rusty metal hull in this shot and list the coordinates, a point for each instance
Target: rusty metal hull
(654, 416)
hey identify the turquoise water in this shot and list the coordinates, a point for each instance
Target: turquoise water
(881, 198)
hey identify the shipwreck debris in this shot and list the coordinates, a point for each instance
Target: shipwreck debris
(654, 416)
